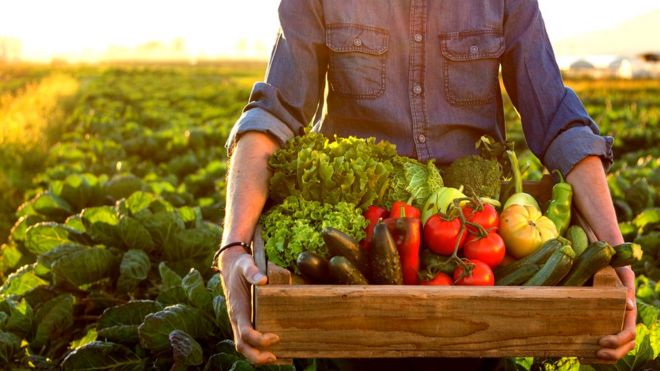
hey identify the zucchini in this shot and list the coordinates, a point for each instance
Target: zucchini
(555, 268)
(384, 258)
(596, 257)
(626, 254)
(578, 238)
(339, 243)
(538, 257)
(519, 276)
(313, 268)
(344, 272)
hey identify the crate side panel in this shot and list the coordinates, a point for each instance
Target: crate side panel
(400, 321)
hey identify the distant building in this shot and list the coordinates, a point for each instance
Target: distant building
(621, 68)
(581, 65)
(606, 66)
(583, 68)
(10, 50)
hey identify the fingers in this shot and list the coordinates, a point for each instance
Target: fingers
(615, 354)
(249, 342)
(255, 338)
(250, 271)
(618, 340)
(253, 355)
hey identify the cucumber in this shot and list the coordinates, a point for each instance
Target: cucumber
(313, 268)
(596, 257)
(344, 272)
(519, 276)
(341, 244)
(555, 268)
(384, 258)
(578, 238)
(538, 257)
(626, 254)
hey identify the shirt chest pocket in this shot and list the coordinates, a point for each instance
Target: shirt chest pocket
(471, 66)
(357, 60)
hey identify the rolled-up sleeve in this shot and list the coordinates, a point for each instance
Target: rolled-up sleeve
(286, 102)
(557, 127)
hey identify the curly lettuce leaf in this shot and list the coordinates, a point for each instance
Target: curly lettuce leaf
(295, 226)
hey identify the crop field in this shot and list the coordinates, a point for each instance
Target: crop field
(112, 186)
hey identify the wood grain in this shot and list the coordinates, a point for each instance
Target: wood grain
(278, 275)
(607, 277)
(317, 321)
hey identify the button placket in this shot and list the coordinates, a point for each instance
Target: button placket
(418, 19)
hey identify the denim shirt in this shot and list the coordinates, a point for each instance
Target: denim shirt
(422, 74)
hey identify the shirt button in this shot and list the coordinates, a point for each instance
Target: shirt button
(474, 49)
(417, 89)
(418, 37)
(421, 138)
(357, 42)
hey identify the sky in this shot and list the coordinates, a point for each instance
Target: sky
(240, 29)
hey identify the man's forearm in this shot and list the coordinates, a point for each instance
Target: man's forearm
(247, 185)
(592, 198)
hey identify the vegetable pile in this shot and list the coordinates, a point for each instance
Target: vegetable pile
(318, 231)
(319, 183)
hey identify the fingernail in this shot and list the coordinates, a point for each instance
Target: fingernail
(270, 359)
(631, 303)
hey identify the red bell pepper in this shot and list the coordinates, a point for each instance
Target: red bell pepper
(401, 209)
(372, 214)
(406, 232)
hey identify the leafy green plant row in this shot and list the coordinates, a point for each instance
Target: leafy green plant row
(108, 264)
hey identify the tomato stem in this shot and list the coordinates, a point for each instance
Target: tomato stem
(454, 255)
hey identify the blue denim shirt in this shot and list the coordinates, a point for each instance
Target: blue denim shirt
(422, 74)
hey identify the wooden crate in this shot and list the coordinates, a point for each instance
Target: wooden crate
(332, 321)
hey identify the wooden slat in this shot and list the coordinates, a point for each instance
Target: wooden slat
(607, 277)
(540, 190)
(318, 321)
(259, 251)
(278, 275)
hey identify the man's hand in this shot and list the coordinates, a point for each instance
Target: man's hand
(592, 198)
(238, 273)
(247, 190)
(614, 347)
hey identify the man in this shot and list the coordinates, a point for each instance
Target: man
(422, 74)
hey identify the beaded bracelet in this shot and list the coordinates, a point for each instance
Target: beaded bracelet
(214, 265)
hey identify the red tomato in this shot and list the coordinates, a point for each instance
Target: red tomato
(488, 249)
(481, 275)
(440, 235)
(440, 279)
(486, 217)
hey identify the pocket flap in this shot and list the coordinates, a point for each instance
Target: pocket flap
(464, 46)
(341, 37)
